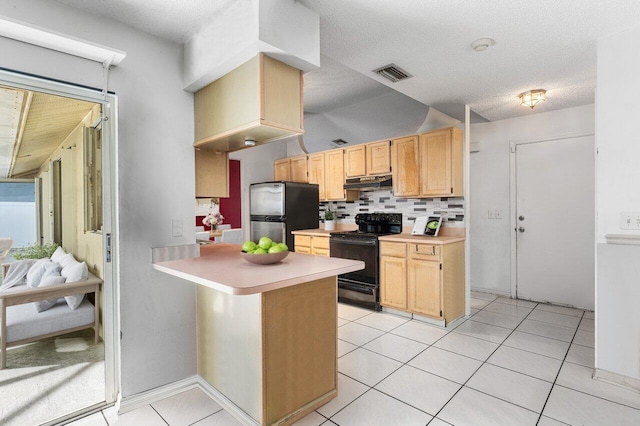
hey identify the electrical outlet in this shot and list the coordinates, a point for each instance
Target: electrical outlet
(498, 214)
(492, 214)
(176, 227)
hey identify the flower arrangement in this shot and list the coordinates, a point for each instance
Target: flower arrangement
(212, 219)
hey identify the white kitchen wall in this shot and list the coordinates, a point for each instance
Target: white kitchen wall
(155, 178)
(490, 183)
(618, 190)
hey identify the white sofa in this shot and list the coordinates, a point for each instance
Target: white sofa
(20, 323)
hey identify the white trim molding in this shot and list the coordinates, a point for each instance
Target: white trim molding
(53, 40)
(617, 379)
(624, 239)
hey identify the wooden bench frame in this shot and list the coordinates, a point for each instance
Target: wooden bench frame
(28, 295)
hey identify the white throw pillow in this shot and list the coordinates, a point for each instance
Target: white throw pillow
(50, 269)
(73, 273)
(34, 275)
(67, 260)
(58, 254)
(43, 305)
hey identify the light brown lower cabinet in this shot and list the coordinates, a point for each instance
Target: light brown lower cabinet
(424, 279)
(312, 244)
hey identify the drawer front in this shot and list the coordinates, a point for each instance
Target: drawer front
(302, 240)
(393, 249)
(321, 242)
(424, 251)
(303, 249)
(320, 252)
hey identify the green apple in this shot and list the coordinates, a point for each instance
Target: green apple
(275, 249)
(265, 243)
(259, 250)
(283, 247)
(433, 224)
(249, 246)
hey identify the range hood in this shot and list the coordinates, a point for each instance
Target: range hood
(368, 182)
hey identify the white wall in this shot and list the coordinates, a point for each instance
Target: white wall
(155, 178)
(617, 190)
(490, 183)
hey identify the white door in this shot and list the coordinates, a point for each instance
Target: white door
(555, 221)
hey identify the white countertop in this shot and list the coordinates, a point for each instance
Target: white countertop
(221, 267)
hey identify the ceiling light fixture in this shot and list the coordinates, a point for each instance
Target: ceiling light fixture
(531, 98)
(42, 37)
(249, 142)
(482, 44)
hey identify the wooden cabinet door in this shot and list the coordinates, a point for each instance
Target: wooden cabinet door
(355, 161)
(393, 282)
(315, 167)
(212, 174)
(299, 168)
(404, 161)
(424, 286)
(334, 174)
(282, 169)
(435, 163)
(378, 158)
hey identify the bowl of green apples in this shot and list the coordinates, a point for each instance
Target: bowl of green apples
(264, 252)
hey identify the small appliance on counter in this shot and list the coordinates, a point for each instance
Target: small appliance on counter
(362, 288)
(277, 208)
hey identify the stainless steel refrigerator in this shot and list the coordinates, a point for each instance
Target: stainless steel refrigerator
(277, 208)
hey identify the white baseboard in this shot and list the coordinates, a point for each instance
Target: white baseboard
(617, 379)
(138, 400)
(226, 403)
(149, 397)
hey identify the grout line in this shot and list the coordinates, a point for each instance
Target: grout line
(596, 396)
(483, 363)
(163, 419)
(558, 374)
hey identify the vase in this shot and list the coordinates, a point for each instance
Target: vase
(329, 225)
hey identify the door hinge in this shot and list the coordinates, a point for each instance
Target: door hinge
(452, 189)
(441, 313)
(441, 266)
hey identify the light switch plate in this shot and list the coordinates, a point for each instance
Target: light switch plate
(498, 214)
(492, 214)
(176, 227)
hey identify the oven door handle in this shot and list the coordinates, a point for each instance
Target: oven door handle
(353, 242)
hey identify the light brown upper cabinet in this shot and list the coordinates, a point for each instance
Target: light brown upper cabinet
(406, 171)
(316, 169)
(293, 169)
(334, 174)
(212, 174)
(441, 163)
(355, 161)
(428, 165)
(378, 158)
(282, 169)
(260, 100)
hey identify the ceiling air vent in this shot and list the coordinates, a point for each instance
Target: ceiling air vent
(339, 142)
(392, 72)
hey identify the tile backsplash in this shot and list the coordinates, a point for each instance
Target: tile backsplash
(451, 208)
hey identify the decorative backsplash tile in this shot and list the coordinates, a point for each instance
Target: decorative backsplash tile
(451, 208)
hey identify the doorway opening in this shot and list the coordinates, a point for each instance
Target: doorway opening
(65, 145)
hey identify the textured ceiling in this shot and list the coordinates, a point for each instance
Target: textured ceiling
(547, 44)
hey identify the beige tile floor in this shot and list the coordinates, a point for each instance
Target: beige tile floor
(512, 362)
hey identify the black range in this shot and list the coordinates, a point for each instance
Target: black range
(362, 288)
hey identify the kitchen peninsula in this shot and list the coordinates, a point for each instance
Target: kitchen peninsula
(266, 333)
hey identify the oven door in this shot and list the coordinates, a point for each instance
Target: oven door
(357, 249)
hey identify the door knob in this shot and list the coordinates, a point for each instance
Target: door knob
(521, 229)
(521, 218)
